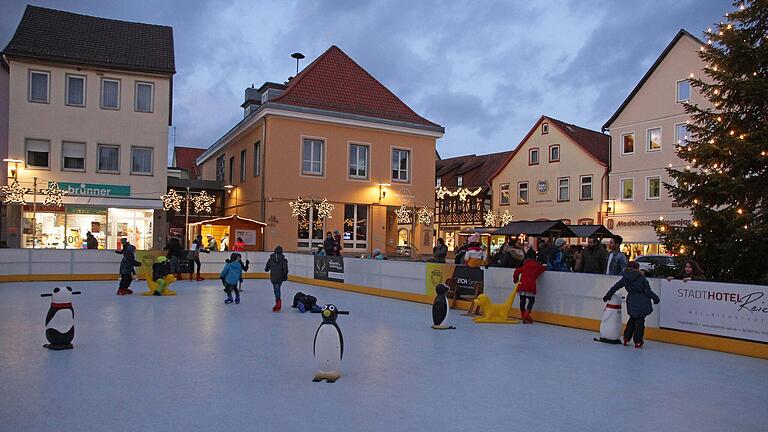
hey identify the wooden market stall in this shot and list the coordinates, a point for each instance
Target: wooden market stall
(234, 226)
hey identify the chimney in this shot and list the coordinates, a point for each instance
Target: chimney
(252, 100)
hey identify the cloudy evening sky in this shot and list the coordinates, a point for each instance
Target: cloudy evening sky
(485, 70)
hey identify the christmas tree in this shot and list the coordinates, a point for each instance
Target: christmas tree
(724, 182)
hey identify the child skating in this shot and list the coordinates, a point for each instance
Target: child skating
(639, 296)
(277, 266)
(230, 276)
(527, 275)
(127, 264)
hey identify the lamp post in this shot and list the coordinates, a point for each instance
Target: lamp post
(15, 169)
(229, 189)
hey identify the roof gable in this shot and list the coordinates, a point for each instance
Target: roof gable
(335, 82)
(476, 171)
(66, 37)
(648, 74)
(184, 157)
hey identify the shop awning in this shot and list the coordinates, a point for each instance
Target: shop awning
(536, 228)
(227, 220)
(130, 203)
(584, 231)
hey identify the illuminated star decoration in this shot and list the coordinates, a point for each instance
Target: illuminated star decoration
(490, 219)
(403, 215)
(14, 193)
(324, 209)
(461, 192)
(172, 201)
(506, 218)
(299, 208)
(53, 194)
(425, 215)
(203, 202)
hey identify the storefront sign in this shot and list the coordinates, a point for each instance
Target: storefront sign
(86, 210)
(43, 208)
(650, 222)
(248, 236)
(96, 190)
(466, 277)
(731, 310)
(405, 196)
(330, 268)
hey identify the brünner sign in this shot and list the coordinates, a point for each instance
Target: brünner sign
(95, 190)
(737, 311)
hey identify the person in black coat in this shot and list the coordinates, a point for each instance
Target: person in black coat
(277, 266)
(174, 256)
(329, 244)
(639, 296)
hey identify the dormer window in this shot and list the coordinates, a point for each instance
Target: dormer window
(544, 128)
(459, 181)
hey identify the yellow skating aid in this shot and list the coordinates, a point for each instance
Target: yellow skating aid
(495, 313)
(161, 286)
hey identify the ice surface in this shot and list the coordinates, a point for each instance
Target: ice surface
(192, 363)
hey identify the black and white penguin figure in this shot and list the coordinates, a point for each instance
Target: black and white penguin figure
(60, 321)
(610, 324)
(329, 345)
(441, 309)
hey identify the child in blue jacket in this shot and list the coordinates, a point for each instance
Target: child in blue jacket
(230, 276)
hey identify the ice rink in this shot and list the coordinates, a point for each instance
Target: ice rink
(192, 363)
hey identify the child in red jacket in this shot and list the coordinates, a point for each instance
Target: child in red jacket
(527, 275)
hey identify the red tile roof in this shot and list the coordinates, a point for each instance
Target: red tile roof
(475, 170)
(334, 82)
(185, 159)
(593, 142)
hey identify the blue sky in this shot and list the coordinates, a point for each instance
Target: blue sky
(486, 70)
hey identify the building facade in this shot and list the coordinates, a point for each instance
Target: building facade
(93, 120)
(463, 193)
(557, 172)
(330, 150)
(646, 132)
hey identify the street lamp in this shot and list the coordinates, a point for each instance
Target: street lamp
(229, 189)
(382, 193)
(15, 169)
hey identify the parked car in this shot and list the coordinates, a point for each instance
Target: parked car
(654, 263)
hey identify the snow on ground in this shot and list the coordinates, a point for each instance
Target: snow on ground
(192, 363)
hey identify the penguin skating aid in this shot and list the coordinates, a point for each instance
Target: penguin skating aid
(610, 325)
(328, 346)
(60, 321)
(440, 309)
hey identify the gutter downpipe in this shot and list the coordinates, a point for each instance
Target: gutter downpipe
(607, 172)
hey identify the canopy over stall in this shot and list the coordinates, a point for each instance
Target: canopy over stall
(549, 228)
(234, 226)
(595, 231)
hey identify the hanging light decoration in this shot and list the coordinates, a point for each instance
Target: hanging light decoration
(203, 202)
(461, 192)
(506, 218)
(14, 193)
(299, 208)
(490, 219)
(53, 194)
(424, 215)
(171, 201)
(324, 209)
(403, 215)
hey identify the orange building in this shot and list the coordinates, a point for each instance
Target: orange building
(332, 149)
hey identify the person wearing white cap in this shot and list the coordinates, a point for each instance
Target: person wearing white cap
(557, 259)
(475, 255)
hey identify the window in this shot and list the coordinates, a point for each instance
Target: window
(144, 97)
(38, 152)
(681, 134)
(109, 158)
(72, 156)
(459, 181)
(242, 165)
(312, 157)
(257, 158)
(652, 188)
(683, 91)
(38, 86)
(563, 189)
(586, 188)
(141, 160)
(544, 128)
(628, 143)
(554, 153)
(439, 182)
(231, 170)
(220, 168)
(358, 161)
(504, 195)
(533, 156)
(355, 226)
(110, 94)
(401, 164)
(586, 221)
(75, 91)
(627, 189)
(522, 193)
(654, 140)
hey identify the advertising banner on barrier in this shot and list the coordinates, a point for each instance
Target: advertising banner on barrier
(731, 310)
(465, 276)
(330, 268)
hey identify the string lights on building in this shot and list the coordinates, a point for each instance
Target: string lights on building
(424, 216)
(53, 194)
(403, 215)
(172, 201)
(203, 202)
(324, 209)
(14, 193)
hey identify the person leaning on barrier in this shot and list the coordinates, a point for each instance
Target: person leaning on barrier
(594, 258)
(691, 271)
(439, 251)
(617, 261)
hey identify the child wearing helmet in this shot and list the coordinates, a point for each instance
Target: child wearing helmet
(160, 270)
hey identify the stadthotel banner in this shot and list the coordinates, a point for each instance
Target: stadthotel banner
(737, 311)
